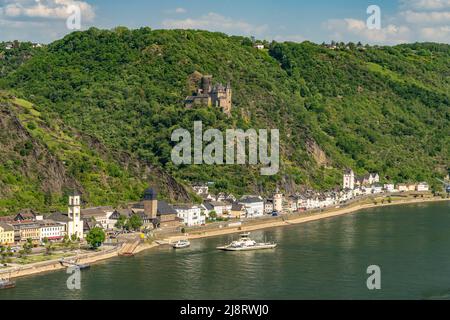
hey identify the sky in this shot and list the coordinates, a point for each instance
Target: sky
(401, 21)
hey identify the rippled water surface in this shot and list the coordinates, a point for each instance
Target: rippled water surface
(324, 259)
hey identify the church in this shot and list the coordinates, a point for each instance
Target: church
(156, 213)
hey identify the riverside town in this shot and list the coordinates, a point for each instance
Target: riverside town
(223, 159)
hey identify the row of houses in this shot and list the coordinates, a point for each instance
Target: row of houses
(156, 213)
(16, 44)
(372, 181)
(29, 226)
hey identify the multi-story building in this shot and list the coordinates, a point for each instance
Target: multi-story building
(51, 230)
(268, 206)
(6, 234)
(423, 187)
(254, 206)
(100, 215)
(191, 215)
(27, 230)
(389, 187)
(349, 179)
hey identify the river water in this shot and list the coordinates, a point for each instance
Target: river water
(326, 259)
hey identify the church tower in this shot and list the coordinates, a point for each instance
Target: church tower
(75, 225)
(151, 203)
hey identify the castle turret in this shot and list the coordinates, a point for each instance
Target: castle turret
(206, 84)
(278, 201)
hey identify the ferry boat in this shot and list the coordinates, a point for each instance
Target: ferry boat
(7, 284)
(247, 244)
(181, 244)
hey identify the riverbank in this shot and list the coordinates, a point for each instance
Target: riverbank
(298, 219)
(253, 225)
(55, 264)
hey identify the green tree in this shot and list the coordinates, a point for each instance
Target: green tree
(120, 224)
(134, 223)
(28, 246)
(49, 248)
(96, 237)
(213, 215)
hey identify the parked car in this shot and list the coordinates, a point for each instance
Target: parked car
(275, 213)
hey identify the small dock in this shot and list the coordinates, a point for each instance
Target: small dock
(129, 248)
(69, 263)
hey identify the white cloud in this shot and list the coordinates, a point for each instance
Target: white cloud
(426, 4)
(40, 20)
(44, 9)
(356, 30)
(180, 10)
(291, 38)
(215, 22)
(437, 34)
(432, 17)
(416, 20)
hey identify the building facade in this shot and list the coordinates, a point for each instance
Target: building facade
(75, 224)
(51, 230)
(254, 206)
(6, 234)
(191, 215)
(349, 179)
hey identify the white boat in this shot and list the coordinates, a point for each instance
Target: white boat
(7, 284)
(247, 244)
(180, 244)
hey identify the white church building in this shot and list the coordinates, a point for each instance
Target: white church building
(75, 224)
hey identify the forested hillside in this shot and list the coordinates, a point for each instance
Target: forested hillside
(383, 109)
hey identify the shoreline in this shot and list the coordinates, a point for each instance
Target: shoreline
(328, 213)
(54, 265)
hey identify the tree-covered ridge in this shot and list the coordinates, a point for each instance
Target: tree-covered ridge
(13, 55)
(382, 109)
(43, 161)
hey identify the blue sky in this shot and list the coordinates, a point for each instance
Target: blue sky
(291, 20)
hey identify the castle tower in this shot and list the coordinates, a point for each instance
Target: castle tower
(228, 99)
(349, 179)
(75, 225)
(150, 203)
(278, 201)
(206, 84)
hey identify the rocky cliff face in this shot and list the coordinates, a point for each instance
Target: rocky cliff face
(36, 174)
(28, 157)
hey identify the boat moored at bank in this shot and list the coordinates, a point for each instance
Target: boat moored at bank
(181, 244)
(245, 243)
(7, 284)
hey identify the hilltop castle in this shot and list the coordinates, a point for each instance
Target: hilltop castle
(208, 95)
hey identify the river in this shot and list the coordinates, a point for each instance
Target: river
(326, 259)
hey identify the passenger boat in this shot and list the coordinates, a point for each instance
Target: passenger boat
(181, 244)
(247, 244)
